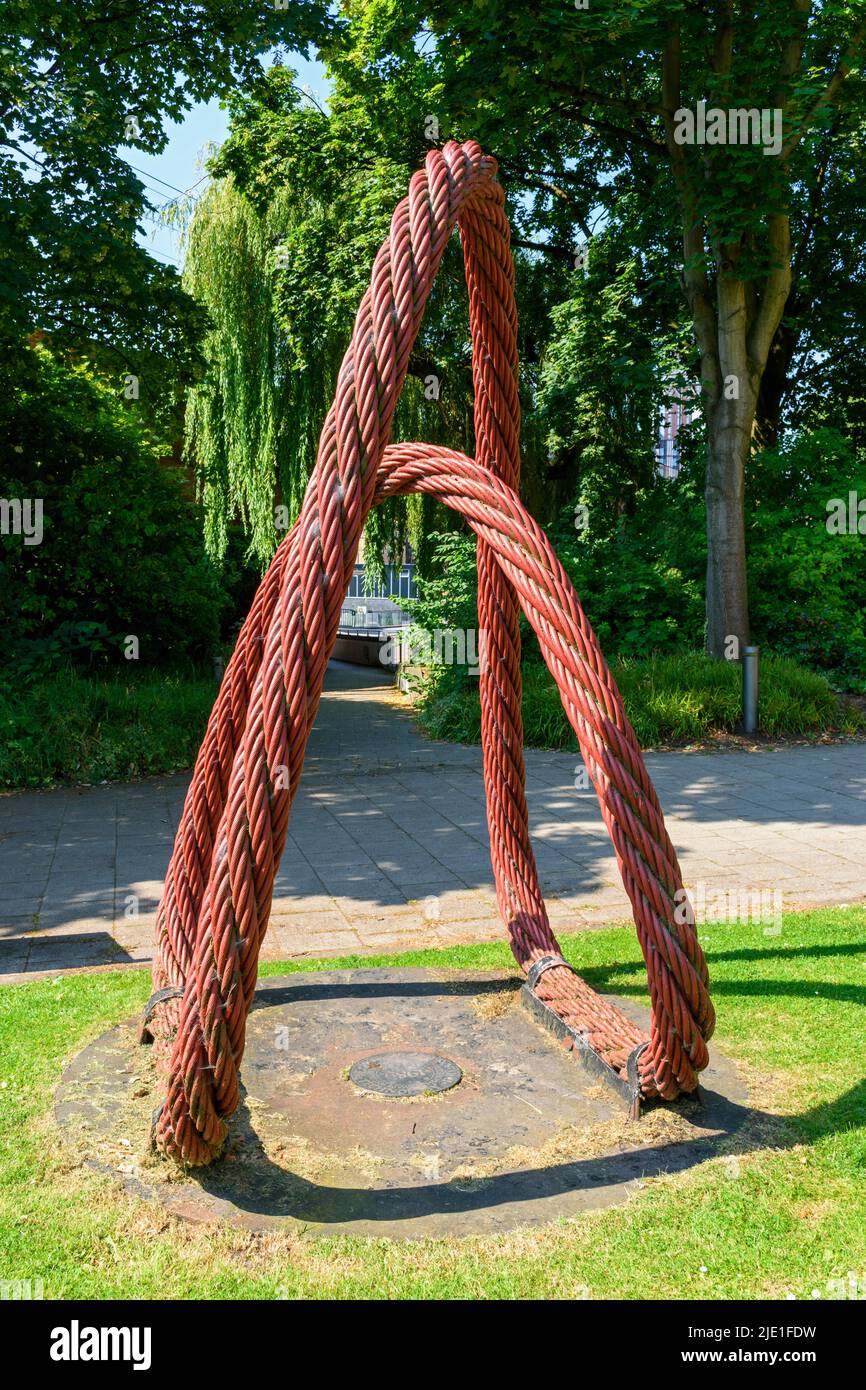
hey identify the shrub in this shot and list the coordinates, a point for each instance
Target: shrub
(679, 698)
(122, 551)
(640, 577)
(69, 727)
(806, 584)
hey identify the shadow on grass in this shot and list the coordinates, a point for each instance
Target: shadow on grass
(247, 1185)
(278, 1193)
(738, 1128)
(606, 977)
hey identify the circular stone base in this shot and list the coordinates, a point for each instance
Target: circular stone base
(527, 1136)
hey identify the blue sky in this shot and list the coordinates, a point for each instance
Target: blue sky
(179, 166)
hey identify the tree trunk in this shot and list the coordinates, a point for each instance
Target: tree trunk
(734, 335)
(730, 406)
(729, 441)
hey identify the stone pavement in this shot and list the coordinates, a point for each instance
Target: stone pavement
(387, 845)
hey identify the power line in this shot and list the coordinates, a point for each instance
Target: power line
(187, 193)
(182, 192)
(159, 193)
(154, 251)
(146, 175)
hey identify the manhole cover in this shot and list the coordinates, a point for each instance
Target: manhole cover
(405, 1074)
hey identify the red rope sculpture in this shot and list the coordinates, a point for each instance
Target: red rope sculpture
(219, 885)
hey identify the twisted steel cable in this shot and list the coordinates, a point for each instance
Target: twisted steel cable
(683, 1017)
(493, 325)
(220, 881)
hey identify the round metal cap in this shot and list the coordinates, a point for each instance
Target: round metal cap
(405, 1074)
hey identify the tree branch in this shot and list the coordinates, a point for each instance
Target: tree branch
(774, 294)
(563, 253)
(831, 91)
(694, 276)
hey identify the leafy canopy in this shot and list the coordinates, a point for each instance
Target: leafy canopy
(78, 81)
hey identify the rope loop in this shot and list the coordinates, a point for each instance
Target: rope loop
(219, 884)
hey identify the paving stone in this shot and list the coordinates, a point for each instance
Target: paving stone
(417, 892)
(385, 819)
(66, 954)
(70, 923)
(15, 905)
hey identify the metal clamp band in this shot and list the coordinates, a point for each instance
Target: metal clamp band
(633, 1077)
(154, 1121)
(159, 997)
(538, 967)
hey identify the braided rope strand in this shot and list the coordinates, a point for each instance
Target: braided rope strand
(219, 885)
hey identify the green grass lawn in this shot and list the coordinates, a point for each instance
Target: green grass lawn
(780, 1213)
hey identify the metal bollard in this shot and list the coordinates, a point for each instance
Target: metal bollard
(750, 690)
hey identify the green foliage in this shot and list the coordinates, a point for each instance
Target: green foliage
(639, 577)
(79, 82)
(448, 597)
(580, 106)
(679, 698)
(639, 580)
(122, 551)
(640, 583)
(807, 583)
(305, 199)
(577, 95)
(69, 727)
(233, 422)
(607, 369)
(818, 367)
(274, 256)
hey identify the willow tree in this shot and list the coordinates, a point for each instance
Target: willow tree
(280, 252)
(252, 423)
(236, 417)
